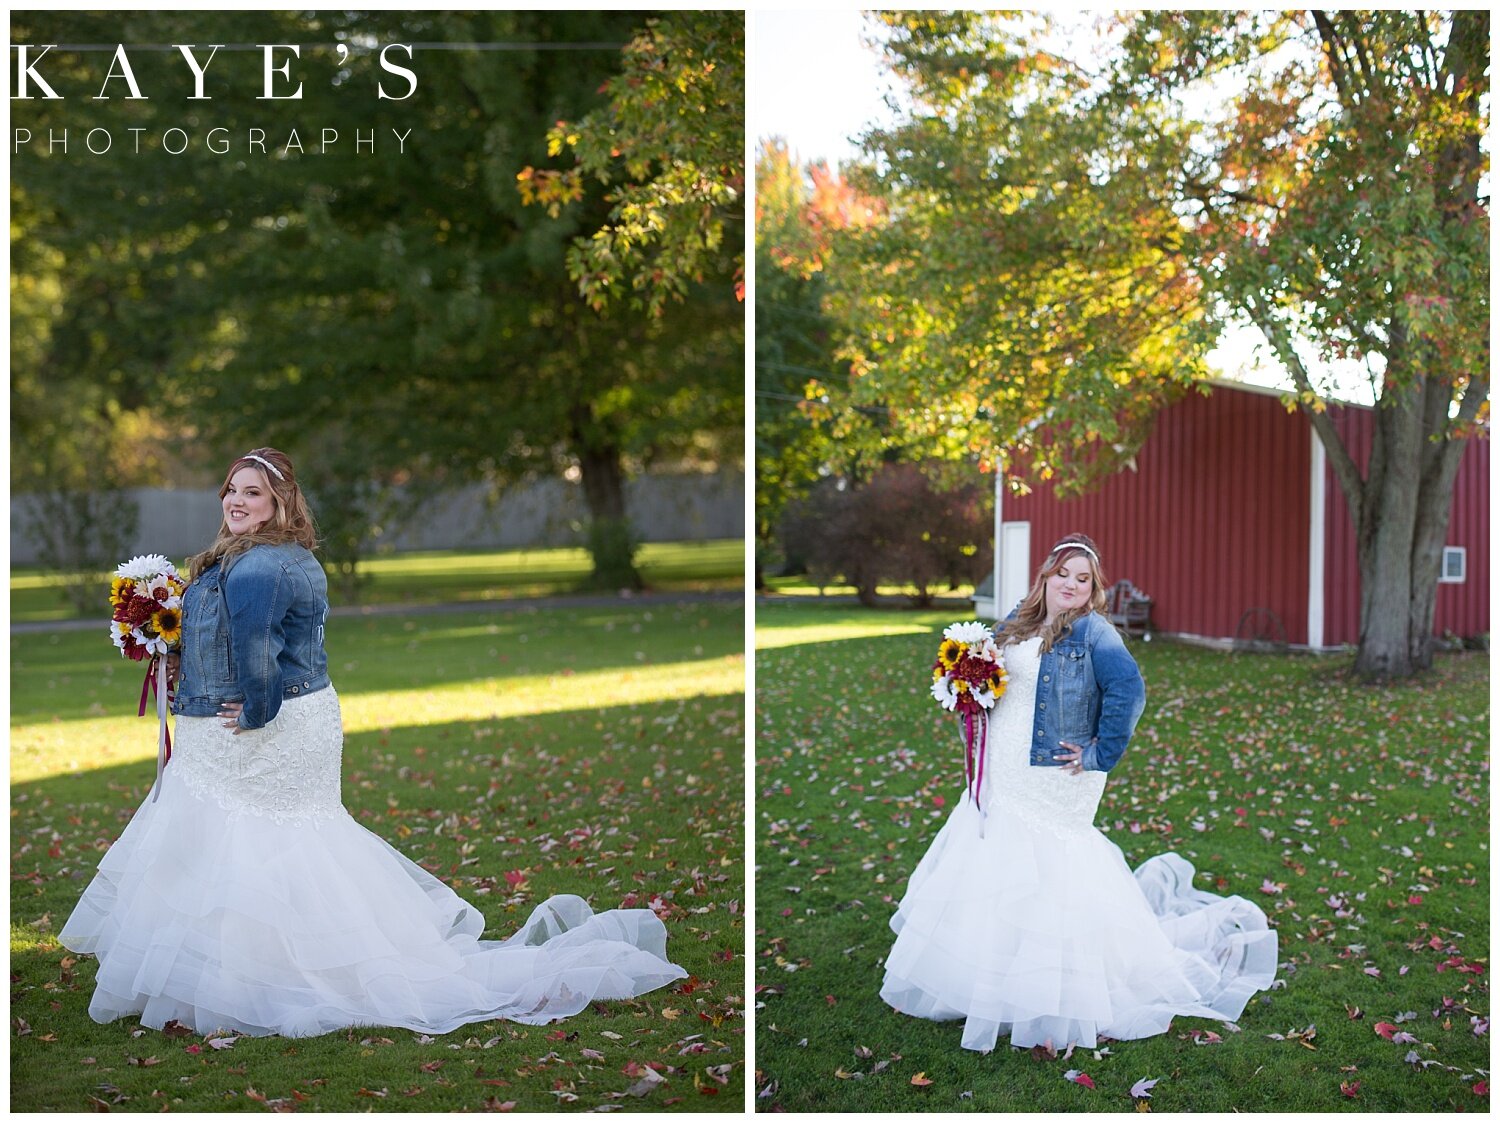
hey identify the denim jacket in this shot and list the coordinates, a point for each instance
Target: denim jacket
(253, 633)
(1089, 692)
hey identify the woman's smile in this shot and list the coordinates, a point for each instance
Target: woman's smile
(247, 501)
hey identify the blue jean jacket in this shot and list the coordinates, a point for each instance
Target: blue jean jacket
(254, 634)
(1090, 693)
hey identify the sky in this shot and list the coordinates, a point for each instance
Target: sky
(814, 83)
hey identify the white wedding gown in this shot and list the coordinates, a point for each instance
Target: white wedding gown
(1027, 921)
(247, 899)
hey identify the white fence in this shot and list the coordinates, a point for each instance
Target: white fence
(662, 508)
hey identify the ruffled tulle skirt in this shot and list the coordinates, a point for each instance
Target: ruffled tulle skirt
(1041, 931)
(229, 919)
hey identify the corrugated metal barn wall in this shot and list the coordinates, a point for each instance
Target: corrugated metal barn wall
(1463, 609)
(1212, 524)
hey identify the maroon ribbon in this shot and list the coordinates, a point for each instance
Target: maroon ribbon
(148, 688)
(975, 776)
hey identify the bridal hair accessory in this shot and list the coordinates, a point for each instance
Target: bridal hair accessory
(146, 625)
(275, 471)
(1071, 545)
(967, 680)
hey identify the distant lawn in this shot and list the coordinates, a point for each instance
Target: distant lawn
(804, 586)
(1356, 817)
(451, 575)
(599, 751)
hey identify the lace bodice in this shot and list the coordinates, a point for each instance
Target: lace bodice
(287, 771)
(1046, 797)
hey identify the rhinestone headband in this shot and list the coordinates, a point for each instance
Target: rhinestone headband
(275, 471)
(1075, 546)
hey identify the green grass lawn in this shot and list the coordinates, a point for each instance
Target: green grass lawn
(804, 586)
(1356, 817)
(596, 751)
(441, 576)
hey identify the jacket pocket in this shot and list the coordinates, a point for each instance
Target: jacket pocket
(207, 636)
(1077, 690)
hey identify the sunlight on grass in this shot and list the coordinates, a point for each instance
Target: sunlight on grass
(27, 937)
(553, 563)
(803, 586)
(47, 748)
(770, 636)
(433, 577)
(780, 625)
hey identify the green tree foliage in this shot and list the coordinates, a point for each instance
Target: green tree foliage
(400, 315)
(1068, 233)
(795, 340)
(670, 145)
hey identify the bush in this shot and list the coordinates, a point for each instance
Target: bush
(898, 527)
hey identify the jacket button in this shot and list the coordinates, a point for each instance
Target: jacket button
(1046, 678)
(1042, 706)
(295, 689)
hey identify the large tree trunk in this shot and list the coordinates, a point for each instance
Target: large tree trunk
(1400, 505)
(611, 540)
(1387, 505)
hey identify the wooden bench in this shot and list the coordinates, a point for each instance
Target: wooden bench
(1128, 608)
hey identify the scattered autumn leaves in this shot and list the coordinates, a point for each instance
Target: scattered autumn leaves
(1356, 817)
(637, 805)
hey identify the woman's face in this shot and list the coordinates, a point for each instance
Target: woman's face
(247, 502)
(1070, 587)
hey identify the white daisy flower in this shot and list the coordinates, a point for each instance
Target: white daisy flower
(117, 634)
(984, 696)
(156, 646)
(158, 585)
(973, 633)
(945, 692)
(144, 566)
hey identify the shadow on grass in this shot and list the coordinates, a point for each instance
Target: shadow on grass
(621, 805)
(75, 674)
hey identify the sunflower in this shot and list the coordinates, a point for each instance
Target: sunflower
(168, 624)
(950, 651)
(996, 682)
(120, 590)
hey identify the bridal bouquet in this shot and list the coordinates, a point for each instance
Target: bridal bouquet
(968, 679)
(146, 594)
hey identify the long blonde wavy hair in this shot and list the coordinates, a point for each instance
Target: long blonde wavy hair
(1031, 615)
(290, 521)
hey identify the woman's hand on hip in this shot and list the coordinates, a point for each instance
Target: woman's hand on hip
(229, 714)
(1072, 761)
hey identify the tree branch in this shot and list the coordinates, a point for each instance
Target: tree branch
(1345, 470)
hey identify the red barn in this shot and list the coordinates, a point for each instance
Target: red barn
(1231, 520)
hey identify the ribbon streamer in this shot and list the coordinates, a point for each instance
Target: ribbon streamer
(156, 683)
(975, 728)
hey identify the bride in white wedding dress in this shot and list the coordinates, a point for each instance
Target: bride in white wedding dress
(245, 898)
(1022, 918)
